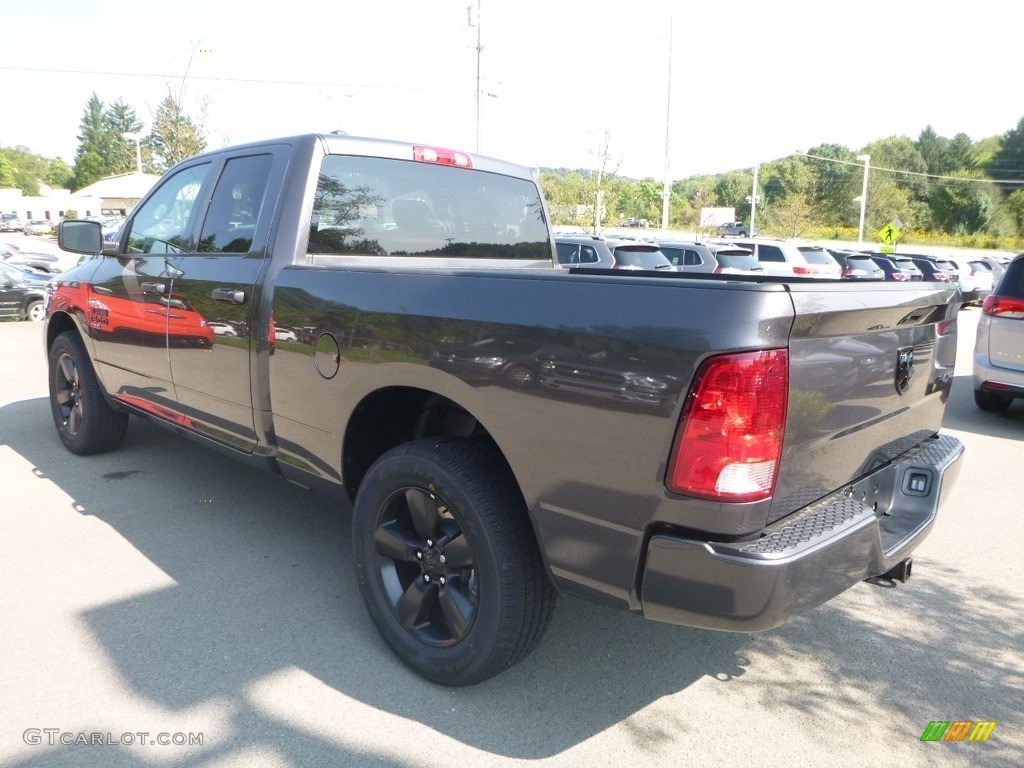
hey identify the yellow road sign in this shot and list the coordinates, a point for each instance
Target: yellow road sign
(890, 233)
(887, 249)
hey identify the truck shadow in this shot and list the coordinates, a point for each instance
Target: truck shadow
(963, 415)
(264, 586)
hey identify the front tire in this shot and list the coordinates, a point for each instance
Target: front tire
(85, 422)
(446, 560)
(989, 401)
(35, 311)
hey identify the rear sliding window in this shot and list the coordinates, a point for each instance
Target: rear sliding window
(368, 206)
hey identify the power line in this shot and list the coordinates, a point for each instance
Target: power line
(908, 173)
(255, 81)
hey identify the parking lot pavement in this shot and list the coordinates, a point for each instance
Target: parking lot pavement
(164, 589)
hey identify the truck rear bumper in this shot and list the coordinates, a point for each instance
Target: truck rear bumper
(806, 558)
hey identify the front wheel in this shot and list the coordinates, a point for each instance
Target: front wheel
(446, 560)
(35, 311)
(85, 421)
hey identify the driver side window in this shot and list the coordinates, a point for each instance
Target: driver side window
(162, 223)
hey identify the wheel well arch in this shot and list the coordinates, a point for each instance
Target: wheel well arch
(58, 324)
(391, 416)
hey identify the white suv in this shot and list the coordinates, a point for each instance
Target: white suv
(999, 347)
(782, 257)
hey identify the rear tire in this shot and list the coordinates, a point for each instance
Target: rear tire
(446, 560)
(85, 422)
(989, 401)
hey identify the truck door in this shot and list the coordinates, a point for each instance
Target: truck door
(128, 297)
(212, 310)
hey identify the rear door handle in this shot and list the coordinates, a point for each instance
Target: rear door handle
(229, 295)
(153, 287)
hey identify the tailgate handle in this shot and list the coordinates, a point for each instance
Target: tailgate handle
(230, 295)
(153, 287)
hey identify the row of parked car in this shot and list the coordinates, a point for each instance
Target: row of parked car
(765, 256)
(998, 362)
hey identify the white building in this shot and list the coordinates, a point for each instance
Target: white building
(113, 196)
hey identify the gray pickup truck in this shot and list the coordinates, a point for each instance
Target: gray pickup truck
(384, 322)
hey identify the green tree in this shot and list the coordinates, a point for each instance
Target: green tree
(1008, 163)
(965, 205)
(984, 151)
(792, 215)
(834, 184)
(1014, 206)
(175, 136)
(6, 172)
(899, 158)
(94, 154)
(23, 169)
(59, 175)
(120, 119)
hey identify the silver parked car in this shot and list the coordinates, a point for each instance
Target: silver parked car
(782, 257)
(711, 258)
(594, 252)
(999, 347)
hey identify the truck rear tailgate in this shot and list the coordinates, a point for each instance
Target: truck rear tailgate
(870, 372)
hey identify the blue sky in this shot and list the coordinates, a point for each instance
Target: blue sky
(751, 81)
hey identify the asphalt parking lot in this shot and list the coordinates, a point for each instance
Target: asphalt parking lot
(165, 590)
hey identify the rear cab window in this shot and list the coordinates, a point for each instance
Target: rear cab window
(372, 208)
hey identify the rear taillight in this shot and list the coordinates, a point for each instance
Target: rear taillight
(1003, 306)
(804, 270)
(900, 276)
(945, 327)
(729, 440)
(942, 277)
(441, 156)
(851, 272)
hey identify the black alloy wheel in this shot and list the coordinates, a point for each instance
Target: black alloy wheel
(447, 562)
(85, 421)
(426, 567)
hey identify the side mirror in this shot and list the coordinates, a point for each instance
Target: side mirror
(80, 236)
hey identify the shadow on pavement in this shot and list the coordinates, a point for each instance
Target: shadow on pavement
(963, 415)
(265, 585)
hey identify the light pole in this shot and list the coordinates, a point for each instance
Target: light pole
(137, 138)
(666, 191)
(753, 200)
(866, 159)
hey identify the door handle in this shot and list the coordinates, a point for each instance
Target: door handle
(153, 287)
(229, 295)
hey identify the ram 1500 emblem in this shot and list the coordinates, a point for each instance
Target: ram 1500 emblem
(904, 369)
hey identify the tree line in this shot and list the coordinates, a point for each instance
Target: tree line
(931, 184)
(104, 148)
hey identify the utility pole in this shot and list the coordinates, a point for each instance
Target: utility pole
(866, 159)
(666, 191)
(479, 50)
(753, 200)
